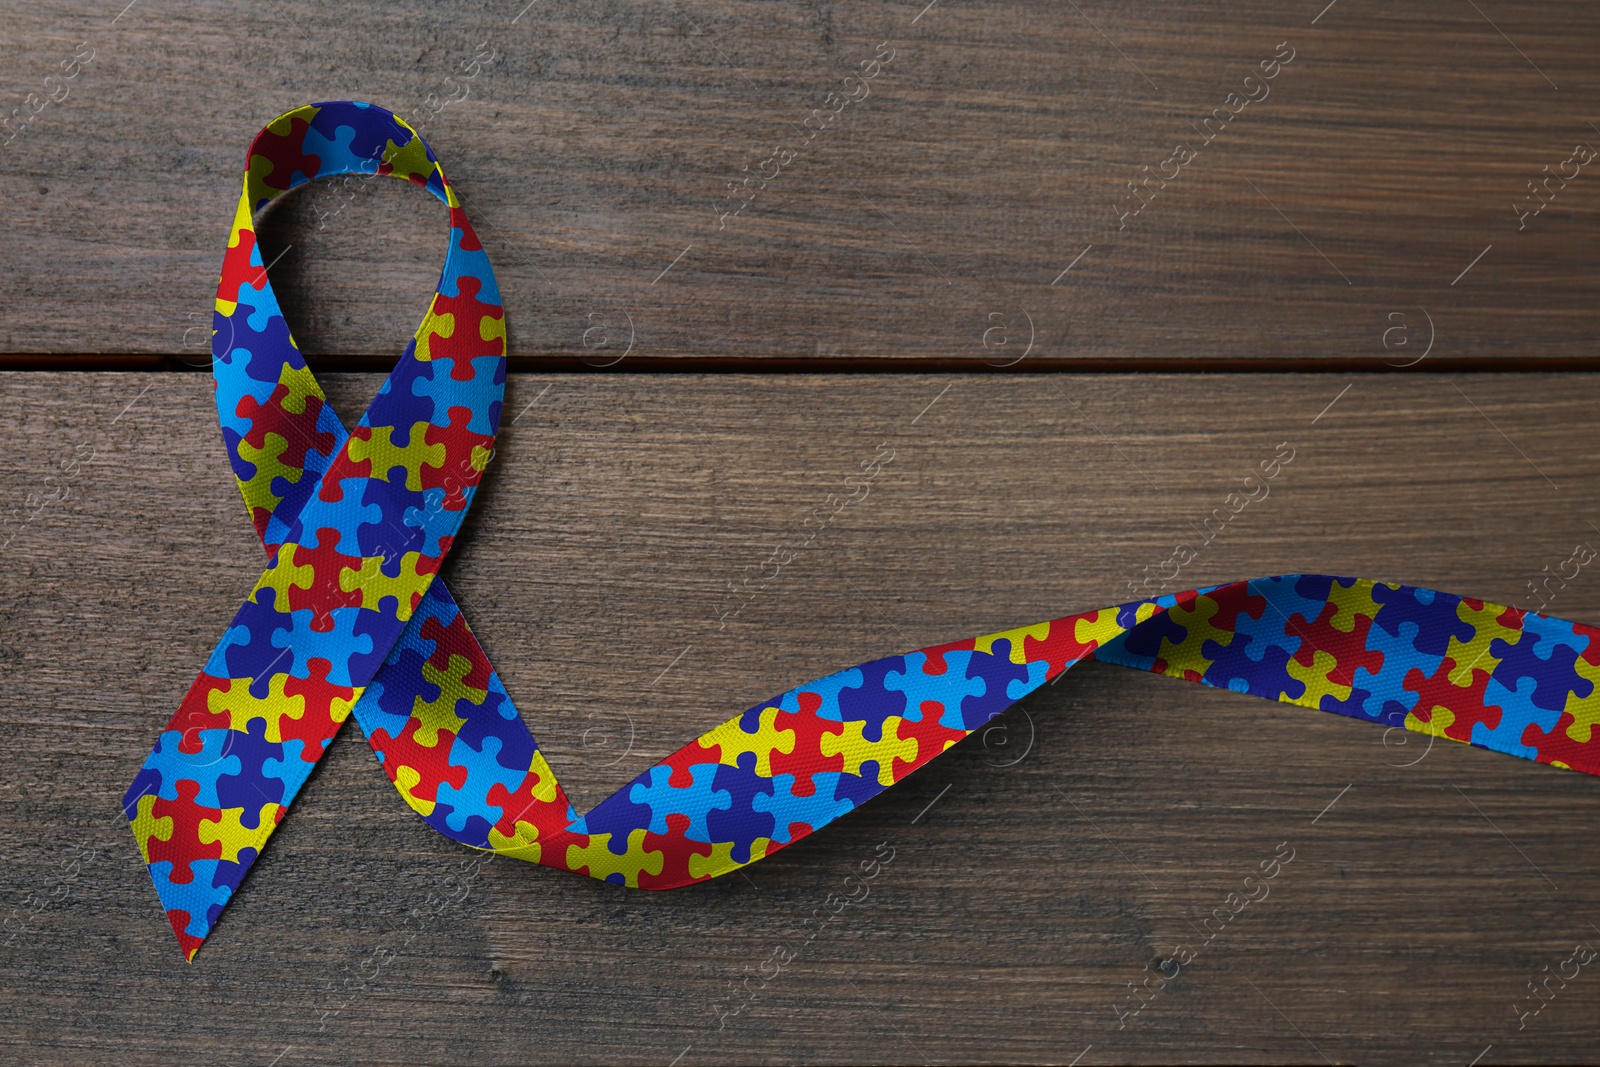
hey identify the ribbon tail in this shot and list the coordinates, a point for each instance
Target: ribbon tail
(221, 777)
(1494, 677)
(1490, 676)
(789, 766)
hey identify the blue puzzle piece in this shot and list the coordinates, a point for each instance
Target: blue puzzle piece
(444, 394)
(292, 769)
(740, 822)
(1250, 664)
(1266, 628)
(340, 519)
(387, 702)
(873, 703)
(697, 801)
(333, 147)
(1387, 699)
(400, 402)
(828, 689)
(619, 815)
(1546, 653)
(262, 305)
(947, 689)
(1140, 647)
(815, 811)
(467, 263)
(857, 788)
(228, 875)
(496, 718)
(1434, 615)
(214, 759)
(249, 787)
(343, 644)
(375, 634)
(470, 816)
(199, 897)
(1518, 708)
(400, 526)
(1001, 677)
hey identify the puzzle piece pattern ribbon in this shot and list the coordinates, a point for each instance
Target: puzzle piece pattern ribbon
(349, 617)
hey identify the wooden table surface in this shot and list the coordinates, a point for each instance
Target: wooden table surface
(690, 382)
(1392, 148)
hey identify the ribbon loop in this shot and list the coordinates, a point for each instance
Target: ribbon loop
(349, 617)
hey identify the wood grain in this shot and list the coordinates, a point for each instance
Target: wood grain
(1333, 222)
(1025, 892)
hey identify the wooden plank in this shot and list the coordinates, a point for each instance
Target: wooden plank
(1032, 879)
(1333, 220)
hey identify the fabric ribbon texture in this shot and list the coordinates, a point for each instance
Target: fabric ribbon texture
(348, 617)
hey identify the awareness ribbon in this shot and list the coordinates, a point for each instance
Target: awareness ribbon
(348, 617)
